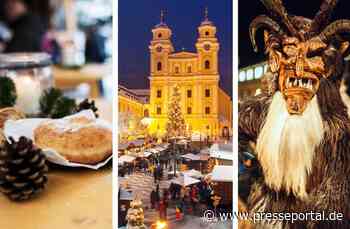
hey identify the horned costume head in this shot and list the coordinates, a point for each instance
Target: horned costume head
(301, 51)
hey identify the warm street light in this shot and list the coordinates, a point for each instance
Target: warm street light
(160, 225)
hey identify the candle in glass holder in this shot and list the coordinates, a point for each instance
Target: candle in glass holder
(31, 73)
(28, 94)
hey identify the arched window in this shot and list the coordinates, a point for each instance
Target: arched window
(146, 113)
(159, 66)
(189, 69)
(177, 69)
(207, 64)
(207, 33)
(159, 35)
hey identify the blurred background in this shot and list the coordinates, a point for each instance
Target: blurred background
(76, 33)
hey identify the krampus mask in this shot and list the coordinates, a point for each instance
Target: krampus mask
(301, 51)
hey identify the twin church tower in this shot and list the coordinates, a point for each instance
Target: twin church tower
(206, 108)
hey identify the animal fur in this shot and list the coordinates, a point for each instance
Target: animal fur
(327, 184)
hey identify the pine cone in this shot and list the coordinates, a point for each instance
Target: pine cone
(22, 169)
(86, 105)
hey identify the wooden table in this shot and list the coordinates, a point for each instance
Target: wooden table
(73, 199)
(90, 74)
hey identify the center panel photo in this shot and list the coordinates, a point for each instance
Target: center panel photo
(175, 114)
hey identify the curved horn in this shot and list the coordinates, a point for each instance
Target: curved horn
(266, 22)
(322, 17)
(279, 12)
(337, 27)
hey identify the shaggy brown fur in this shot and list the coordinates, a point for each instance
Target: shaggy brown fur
(328, 185)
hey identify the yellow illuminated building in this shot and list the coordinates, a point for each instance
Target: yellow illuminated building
(132, 109)
(207, 109)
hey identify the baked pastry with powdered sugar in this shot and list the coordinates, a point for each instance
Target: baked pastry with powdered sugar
(78, 139)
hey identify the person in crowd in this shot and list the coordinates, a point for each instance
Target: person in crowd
(153, 198)
(194, 196)
(150, 168)
(162, 210)
(172, 191)
(157, 196)
(155, 175)
(28, 28)
(178, 213)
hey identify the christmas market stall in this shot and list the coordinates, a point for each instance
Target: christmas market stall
(222, 178)
(221, 154)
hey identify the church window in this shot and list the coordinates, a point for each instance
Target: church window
(159, 66)
(207, 92)
(189, 110)
(189, 69)
(159, 94)
(207, 110)
(177, 69)
(159, 110)
(207, 64)
(189, 94)
(146, 113)
(207, 33)
(159, 35)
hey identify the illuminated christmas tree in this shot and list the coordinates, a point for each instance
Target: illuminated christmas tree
(176, 123)
(135, 215)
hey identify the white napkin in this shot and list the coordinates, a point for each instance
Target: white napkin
(26, 127)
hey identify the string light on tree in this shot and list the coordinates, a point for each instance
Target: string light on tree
(176, 123)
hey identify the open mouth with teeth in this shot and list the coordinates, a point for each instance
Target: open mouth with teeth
(301, 84)
(298, 91)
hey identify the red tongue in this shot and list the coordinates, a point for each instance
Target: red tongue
(296, 104)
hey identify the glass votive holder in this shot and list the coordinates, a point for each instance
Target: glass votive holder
(32, 74)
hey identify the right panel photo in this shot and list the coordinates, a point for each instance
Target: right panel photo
(293, 122)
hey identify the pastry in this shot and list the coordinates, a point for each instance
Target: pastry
(9, 113)
(78, 139)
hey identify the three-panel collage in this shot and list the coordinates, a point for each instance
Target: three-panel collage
(174, 114)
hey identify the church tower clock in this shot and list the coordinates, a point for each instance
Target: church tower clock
(207, 47)
(160, 48)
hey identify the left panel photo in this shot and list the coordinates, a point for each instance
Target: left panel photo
(56, 114)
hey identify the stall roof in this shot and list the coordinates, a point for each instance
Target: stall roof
(147, 153)
(126, 158)
(159, 148)
(123, 146)
(192, 173)
(203, 156)
(138, 142)
(165, 145)
(222, 173)
(126, 195)
(184, 180)
(191, 156)
(221, 151)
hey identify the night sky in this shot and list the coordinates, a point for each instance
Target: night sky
(138, 17)
(249, 9)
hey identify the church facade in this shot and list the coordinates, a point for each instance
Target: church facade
(207, 109)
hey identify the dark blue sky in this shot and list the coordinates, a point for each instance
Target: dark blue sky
(137, 18)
